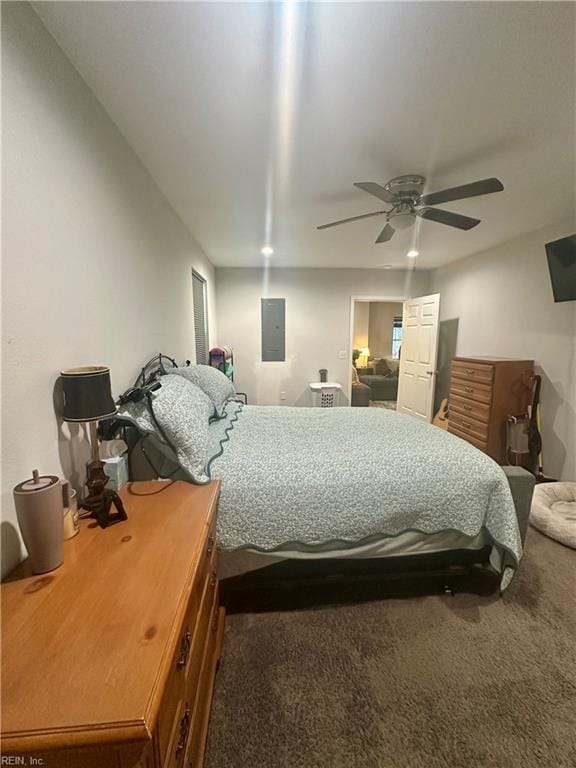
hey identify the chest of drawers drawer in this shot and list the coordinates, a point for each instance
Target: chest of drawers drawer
(466, 407)
(475, 441)
(472, 390)
(476, 372)
(469, 426)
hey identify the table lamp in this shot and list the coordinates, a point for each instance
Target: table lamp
(88, 399)
(364, 357)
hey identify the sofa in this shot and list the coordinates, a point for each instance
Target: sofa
(383, 382)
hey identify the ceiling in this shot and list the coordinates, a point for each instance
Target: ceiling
(256, 118)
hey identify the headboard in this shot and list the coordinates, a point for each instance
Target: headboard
(155, 367)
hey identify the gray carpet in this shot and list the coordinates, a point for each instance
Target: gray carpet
(433, 682)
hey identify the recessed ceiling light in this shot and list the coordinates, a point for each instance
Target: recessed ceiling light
(267, 251)
(386, 266)
(412, 254)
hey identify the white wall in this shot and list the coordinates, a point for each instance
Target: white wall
(317, 323)
(96, 265)
(500, 302)
(381, 323)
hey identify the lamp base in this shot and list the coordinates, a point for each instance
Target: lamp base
(100, 500)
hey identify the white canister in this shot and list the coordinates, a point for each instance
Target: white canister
(39, 510)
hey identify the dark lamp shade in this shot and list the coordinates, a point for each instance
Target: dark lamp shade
(87, 393)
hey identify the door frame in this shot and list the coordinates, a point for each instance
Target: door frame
(353, 300)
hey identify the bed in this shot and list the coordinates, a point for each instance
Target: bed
(304, 488)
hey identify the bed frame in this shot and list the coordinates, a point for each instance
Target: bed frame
(297, 584)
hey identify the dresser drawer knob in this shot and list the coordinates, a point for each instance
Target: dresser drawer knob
(465, 423)
(184, 650)
(468, 389)
(184, 728)
(469, 371)
(210, 546)
(467, 407)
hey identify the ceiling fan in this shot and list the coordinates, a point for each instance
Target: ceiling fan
(405, 195)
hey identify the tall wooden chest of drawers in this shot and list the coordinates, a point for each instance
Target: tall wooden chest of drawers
(109, 661)
(483, 392)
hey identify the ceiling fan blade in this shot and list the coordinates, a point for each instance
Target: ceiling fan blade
(447, 217)
(375, 189)
(352, 218)
(386, 234)
(484, 187)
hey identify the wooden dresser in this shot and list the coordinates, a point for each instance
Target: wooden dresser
(109, 661)
(483, 392)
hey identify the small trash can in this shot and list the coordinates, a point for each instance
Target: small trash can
(325, 393)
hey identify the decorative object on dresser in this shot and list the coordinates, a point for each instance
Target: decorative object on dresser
(88, 399)
(484, 391)
(118, 673)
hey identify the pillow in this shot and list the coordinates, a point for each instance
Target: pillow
(393, 365)
(183, 411)
(381, 367)
(212, 382)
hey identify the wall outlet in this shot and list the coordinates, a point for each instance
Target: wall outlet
(342, 354)
(282, 395)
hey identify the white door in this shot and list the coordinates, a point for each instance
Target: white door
(417, 374)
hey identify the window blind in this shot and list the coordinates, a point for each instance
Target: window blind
(200, 318)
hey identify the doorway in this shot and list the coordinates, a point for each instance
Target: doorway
(376, 344)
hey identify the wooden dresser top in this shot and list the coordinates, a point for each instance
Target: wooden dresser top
(488, 359)
(89, 645)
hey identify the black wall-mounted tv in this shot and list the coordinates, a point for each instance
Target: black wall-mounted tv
(562, 265)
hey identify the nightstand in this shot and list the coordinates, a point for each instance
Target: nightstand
(111, 658)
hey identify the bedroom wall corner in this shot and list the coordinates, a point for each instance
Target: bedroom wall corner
(499, 302)
(96, 264)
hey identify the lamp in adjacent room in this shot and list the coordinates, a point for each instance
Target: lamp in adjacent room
(364, 358)
(88, 399)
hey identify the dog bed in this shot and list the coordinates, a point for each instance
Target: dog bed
(553, 511)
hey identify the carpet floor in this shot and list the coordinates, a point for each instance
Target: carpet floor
(432, 682)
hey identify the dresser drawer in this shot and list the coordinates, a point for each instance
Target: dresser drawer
(466, 407)
(183, 666)
(469, 426)
(480, 444)
(179, 735)
(184, 728)
(474, 390)
(201, 713)
(481, 372)
(201, 631)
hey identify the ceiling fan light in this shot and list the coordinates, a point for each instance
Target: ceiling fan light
(403, 220)
(413, 254)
